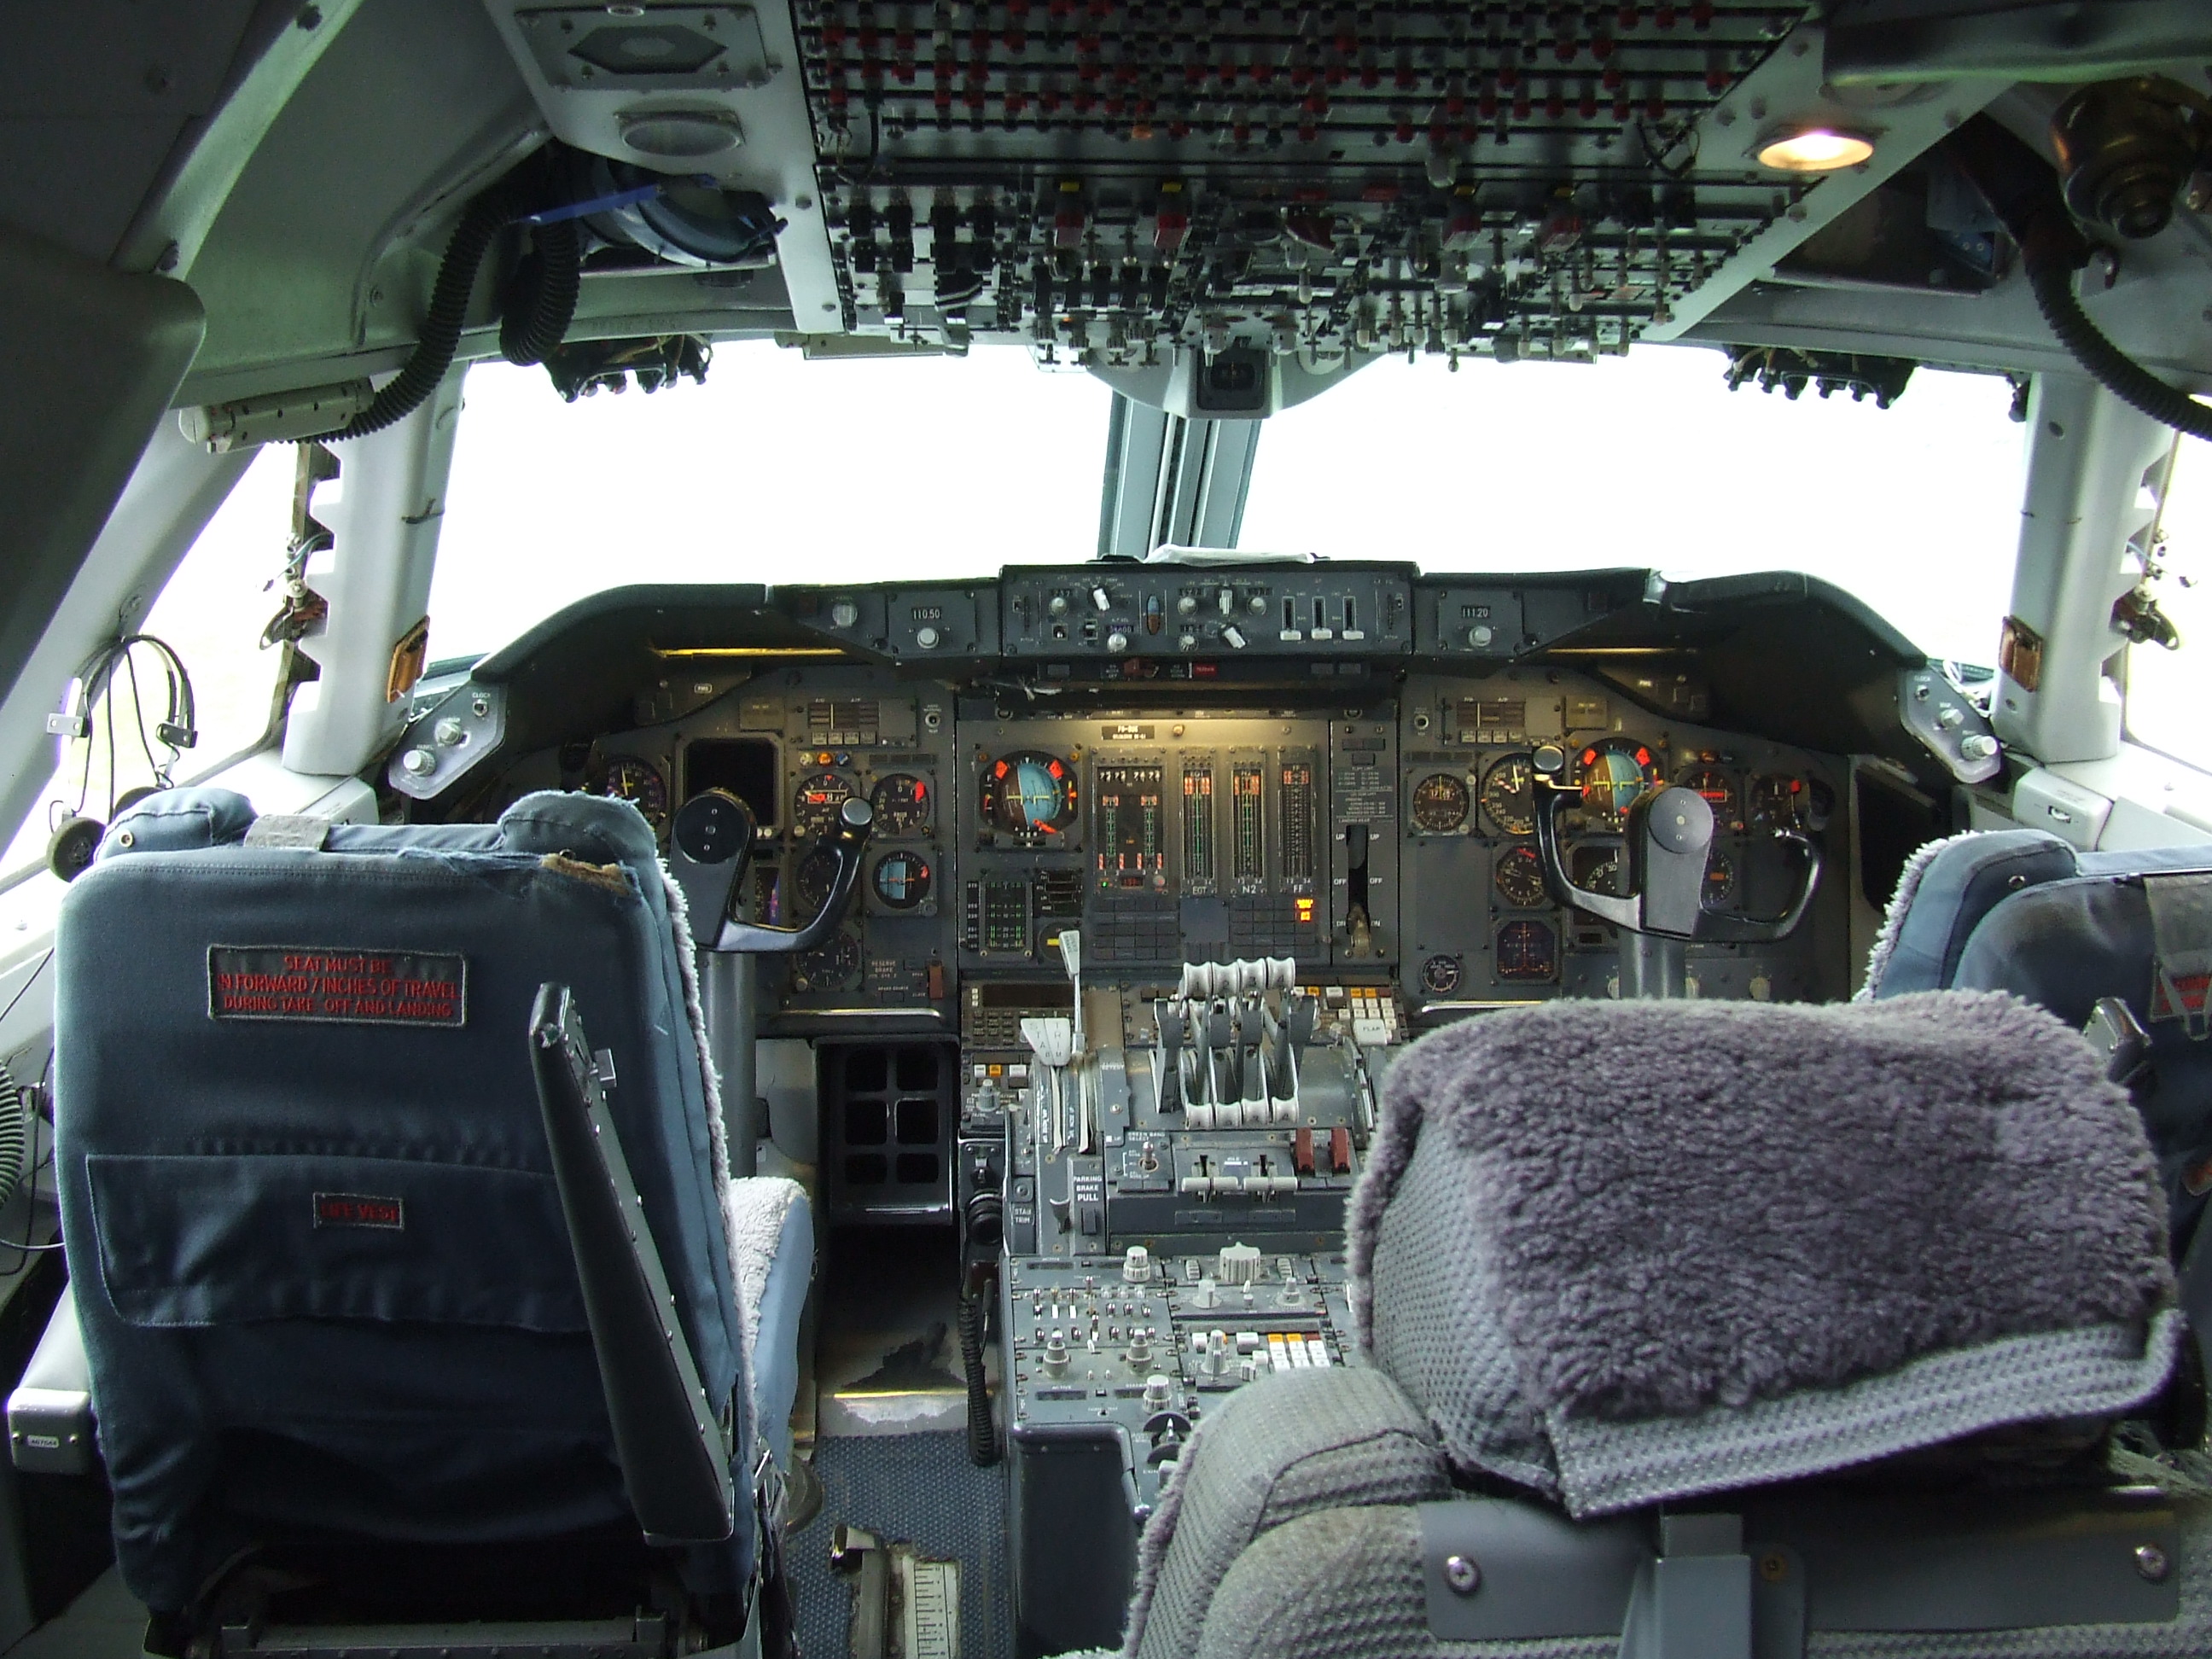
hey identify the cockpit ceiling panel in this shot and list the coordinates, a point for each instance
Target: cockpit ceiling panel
(1110, 179)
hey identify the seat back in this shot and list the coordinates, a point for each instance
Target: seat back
(322, 1275)
(2022, 911)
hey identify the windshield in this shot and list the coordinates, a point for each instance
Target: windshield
(777, 470)
(1651, 460)
(782, 471)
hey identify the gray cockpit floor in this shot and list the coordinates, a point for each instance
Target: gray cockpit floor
(106, 1622)
(920, 1488)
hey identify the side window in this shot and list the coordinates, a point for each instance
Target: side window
(2166, 703)
(211, 613)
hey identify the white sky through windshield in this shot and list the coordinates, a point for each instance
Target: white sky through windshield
(781, 470)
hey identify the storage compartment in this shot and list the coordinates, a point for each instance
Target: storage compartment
(889, 1111)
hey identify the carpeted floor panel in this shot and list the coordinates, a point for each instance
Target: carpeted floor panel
(921, 1489)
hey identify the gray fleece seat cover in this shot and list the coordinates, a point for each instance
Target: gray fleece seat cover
(1624, 1253)
(321, 1269)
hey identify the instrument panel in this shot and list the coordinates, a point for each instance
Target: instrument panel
(1388, 835)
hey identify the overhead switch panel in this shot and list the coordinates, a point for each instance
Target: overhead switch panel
(1112, 181)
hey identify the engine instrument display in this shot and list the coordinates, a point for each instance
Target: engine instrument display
(1440, 803)
(1611, 773)
(901, 879)
(1527, 950)
(902, 805)
(1509, 795)
(640, 783)
(1029, 795)
(815, 802)
(1520, 877)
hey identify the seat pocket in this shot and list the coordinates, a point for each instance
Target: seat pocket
(206, 1240)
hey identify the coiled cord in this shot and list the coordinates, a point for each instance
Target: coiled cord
(2050, 279)
(974, 1313)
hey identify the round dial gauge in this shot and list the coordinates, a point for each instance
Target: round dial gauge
(814, 804)
(1520, 877)
(1527, 950)
(902, 804)
(1612, 774)
(827, 967)
(640, 783)
(1777, 802)
(901, 879)
(811, 882)
(1029, 794)
(1720, 879)
(1719, 791)
(1509, 795)
(1440, 975)
(1440, 802)
(1597, 866)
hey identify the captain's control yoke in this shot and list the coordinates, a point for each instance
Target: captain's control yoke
(710, 843)
(1669, 833)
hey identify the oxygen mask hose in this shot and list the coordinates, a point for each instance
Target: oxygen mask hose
(2023, 190)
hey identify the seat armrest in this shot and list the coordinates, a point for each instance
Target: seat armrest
(49, 1428)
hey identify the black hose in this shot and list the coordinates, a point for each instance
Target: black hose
(2050, 278)
(2023, 191)
(540, 301)
(485, 217)
(974, 1311)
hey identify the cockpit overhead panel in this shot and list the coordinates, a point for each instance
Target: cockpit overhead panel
(1257, 186)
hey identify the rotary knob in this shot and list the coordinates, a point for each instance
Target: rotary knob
(1117, 641)
(1978, 745)
(1137, 1264)
(1235, 635)
(450, 733)
(844, 613)
(926, 638)
(1187, 642)
(1055, 1353)
(1257, 604)
(418, 762)
(1056, 605)
(1187, 606)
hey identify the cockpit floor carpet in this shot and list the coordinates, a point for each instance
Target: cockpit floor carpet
(920, 1488)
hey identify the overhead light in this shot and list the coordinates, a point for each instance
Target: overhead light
(1814, 150)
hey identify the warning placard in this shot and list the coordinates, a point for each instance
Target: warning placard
(353, 988)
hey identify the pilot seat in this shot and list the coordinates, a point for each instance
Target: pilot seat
(1697, 1330)
(413, 1283)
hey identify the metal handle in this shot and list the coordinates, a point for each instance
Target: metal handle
(845, 842)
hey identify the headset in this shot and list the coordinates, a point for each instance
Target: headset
(78, 836)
